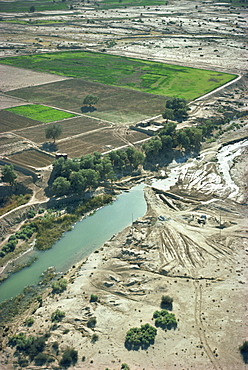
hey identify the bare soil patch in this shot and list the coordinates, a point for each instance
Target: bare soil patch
(7, 101)
(16, 78)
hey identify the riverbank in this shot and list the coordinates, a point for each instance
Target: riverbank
(201, 265)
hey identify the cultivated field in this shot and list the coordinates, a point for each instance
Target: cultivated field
(147, 76)
(100, 141)
(70, 127)
(31, 157)
(40, 113)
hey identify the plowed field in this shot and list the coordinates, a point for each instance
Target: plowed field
(100, 141)
(10, 121)
(32, 158)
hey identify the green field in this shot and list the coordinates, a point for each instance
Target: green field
(146, 76)
(40, 113)
(24, 6)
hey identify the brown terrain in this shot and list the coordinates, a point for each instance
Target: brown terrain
(197, 251)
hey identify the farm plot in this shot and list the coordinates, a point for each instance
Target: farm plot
(141, 75)
(115, 104)
(40, 113)
(10, 121)
(70, 128)
(100, 141)
(31, 157)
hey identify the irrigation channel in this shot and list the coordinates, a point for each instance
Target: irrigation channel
(90, 233)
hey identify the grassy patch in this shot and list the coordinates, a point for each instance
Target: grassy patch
(40, 113)
(12, 202)
(146, 76)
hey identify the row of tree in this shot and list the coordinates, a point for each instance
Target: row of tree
(78, 174)
(187, 138)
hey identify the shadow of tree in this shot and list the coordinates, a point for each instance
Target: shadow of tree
(49, 147)
(87, 109)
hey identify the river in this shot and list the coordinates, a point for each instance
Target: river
(85, 237)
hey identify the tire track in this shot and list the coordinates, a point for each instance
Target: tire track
(200, 326)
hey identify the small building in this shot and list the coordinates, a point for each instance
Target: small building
(61, 155)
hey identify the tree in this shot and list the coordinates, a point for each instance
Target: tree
(32, 9)
(78, 182)
(60, 186)
(179, 108)
(165, 319)
(140, 337)
(53, 131)
(8, 174)
(90, 100)
(168, 114)
(153, 146)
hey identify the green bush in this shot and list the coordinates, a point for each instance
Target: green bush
(140, 337)
(165, 319)
(125, 367)
(57, 316)
(59, 286)
(93, 298)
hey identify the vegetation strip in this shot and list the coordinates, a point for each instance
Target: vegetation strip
(147, 76)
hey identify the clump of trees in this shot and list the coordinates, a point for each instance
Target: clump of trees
(30, 348)
(187, 138)
(165, 319)
(78, 174)
(140, 337)
(8, 174)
